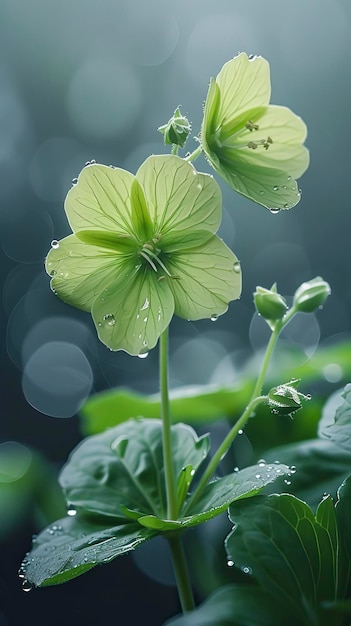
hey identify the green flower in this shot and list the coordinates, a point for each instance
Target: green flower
(255, 146)
(143, 247)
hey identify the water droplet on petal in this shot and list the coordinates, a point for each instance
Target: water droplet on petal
(230, 562)
(292, 469)
(275, 188)
(289, 177)
(236, 469)
(214, 317)
(261, 462)
(237, 267)
(71, 510)
(287, 482)
(26, 586)
(74, 181)
(261, 192)
(246, 570)
(286, 206)
(109, 318)
(275, 210)
(53, 273)
(143, 355)
(55, 244)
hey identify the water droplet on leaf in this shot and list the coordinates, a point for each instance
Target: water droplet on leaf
(143, 355)
(237, 267)
(26, 586)
(275, 188)
(109, 318)
(275, 210)
(55, 244)
(214, 317)
(71, 510)
(74, 181)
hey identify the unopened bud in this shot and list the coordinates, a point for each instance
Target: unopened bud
(177, 129)
(270, 304)
(285, 399)
(311, 295)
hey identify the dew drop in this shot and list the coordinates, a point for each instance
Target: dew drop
(240, 432)
(214, 317)
(230, 562)
(71, 510)
(26, 586)
(236, 469)
(287, 482)
(258, 476)
(292, 469)
(275, 210)
(55, 244)
(275, 188)
(145, 305)
(261, 462)
(289, 178)
(53, 273)
(21, 573)
(262, 192)
(74, 181)
(237, 267)
(143, 355)
(92, 162)
(246, 570)
(109, 318)
(286, 206)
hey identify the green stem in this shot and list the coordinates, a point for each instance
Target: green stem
(222, 450)
(181, 573)
(172, 507)
(175, 149)
(194, 155)
(256, 399)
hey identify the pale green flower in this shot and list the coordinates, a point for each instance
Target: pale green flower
(255, 146)
(144, 247)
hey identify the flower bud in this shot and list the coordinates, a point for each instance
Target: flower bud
(285, 399)
(176, 130)
(270, 304)
(311, 295)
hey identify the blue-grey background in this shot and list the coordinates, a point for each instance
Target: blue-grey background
(83, 80)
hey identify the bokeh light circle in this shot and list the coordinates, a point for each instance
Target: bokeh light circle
(57, 379)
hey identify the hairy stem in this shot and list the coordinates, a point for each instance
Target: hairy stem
(194, 155)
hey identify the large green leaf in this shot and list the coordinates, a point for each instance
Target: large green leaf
(293, 555)
(122, 468)
(198, 404)
(219, 494)
(235, 606)
(336, 425)
(73, 545)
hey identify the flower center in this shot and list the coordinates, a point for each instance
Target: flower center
(151, 253)
(226, 139)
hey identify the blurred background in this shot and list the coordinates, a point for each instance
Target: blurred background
(82, 80)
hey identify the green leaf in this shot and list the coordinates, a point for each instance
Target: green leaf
(287, 550)
(337, 428)
(122, 468)
(74, 545)
(343, 518)
(235, 606)
(206, 403)
(131, 313)
(219, 494)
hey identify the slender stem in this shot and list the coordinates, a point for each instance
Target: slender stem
(175, 149)
(256, 399)
(194, 155)
(181, 573)
(221, 451)
(172, 511)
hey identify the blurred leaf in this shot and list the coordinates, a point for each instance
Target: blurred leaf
(337, 428)
(74, 545)
(301, 559)
(200, 404)
(235, 606)
(122, 468)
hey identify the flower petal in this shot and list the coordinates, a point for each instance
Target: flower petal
(101, 200)
(79, 270)
(131, 313)
(272, 188)
(178, 197)
(243, 84)
(204, 280)
(285, 151)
